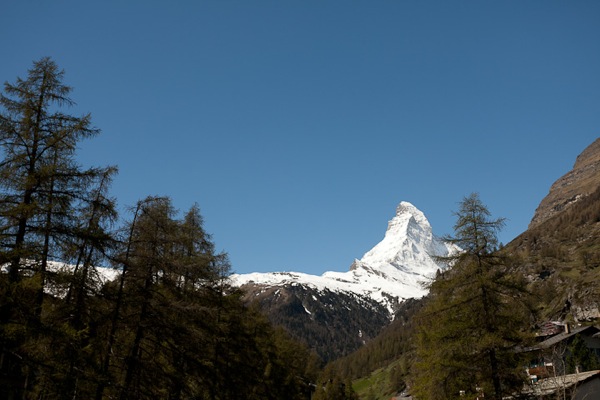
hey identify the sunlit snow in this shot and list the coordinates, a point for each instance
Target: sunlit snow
(398, 266)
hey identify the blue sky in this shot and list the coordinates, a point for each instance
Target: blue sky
(298, 126)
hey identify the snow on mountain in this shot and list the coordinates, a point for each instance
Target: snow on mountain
(394, 270)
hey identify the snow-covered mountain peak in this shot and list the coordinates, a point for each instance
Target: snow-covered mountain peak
(408, 218)
(395, 268)
(408, 243)
(407, 209)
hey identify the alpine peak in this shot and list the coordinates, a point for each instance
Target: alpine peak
(408, 243)
(406, 207)
(395, 268)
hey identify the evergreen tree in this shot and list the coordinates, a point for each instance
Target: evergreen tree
(475, 316)
(38, 144)
(41, 187)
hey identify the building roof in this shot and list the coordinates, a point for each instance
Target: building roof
(562, 336)
(550, 385)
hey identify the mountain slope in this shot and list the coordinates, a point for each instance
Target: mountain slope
(337, 312)
(560, 252)
(581, 181)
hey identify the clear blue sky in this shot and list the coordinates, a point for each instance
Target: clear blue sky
(298, 126)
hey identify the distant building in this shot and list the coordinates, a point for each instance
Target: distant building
(550, 356)
(555, 368)
(579, 386)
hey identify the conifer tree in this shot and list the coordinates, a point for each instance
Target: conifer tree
(38, 144)
(475, 317)
(40, 185)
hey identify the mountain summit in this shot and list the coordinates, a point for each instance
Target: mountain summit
(392, 271)
(408, 245)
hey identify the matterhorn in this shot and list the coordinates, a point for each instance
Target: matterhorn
(360, 301)
(396, 269)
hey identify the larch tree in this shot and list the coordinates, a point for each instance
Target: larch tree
(475, 318)
(41, 186)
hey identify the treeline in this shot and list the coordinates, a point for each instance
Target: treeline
(168, 326)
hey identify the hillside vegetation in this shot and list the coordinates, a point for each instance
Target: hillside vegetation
(561, 257)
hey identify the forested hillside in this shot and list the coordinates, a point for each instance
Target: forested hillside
(332, 324)
(391, 349)
(168, 327)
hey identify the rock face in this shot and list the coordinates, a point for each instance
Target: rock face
(582, 180)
